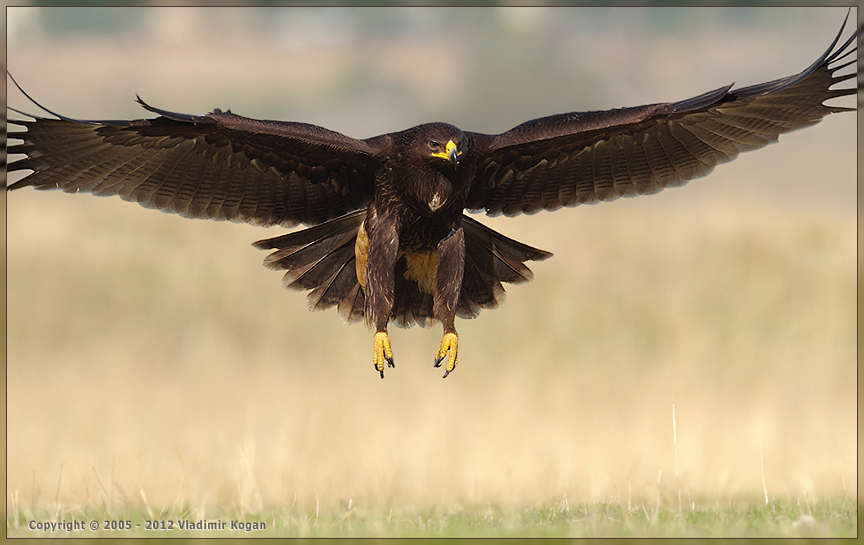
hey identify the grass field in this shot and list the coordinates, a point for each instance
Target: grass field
(156, 371)
(191, 391)
(561, 519)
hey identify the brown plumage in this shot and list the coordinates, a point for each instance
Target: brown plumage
(388, 239)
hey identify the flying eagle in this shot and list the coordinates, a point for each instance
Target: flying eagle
(388, 239)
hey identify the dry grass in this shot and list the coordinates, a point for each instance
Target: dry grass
(154, 367)
(175, 366)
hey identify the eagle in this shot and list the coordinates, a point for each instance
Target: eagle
(386, 237)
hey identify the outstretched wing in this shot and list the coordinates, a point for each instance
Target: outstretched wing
(579, 158)
(217, 166)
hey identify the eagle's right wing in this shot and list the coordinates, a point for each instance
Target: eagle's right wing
(217, 166)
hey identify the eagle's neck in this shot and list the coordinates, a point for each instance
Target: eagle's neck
(427, 190)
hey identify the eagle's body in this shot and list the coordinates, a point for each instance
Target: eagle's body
(388, 239)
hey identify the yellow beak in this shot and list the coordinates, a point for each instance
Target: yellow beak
(452, 153)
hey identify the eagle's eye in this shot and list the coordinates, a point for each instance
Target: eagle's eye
(433, 145)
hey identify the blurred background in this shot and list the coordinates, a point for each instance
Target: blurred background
(154, 363)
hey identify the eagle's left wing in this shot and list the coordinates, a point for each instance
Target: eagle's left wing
(579, 158)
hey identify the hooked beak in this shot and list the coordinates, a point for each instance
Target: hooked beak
(453, 153)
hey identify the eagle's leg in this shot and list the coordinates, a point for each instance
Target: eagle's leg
(380, 287)
(448, 284)
(383, 352)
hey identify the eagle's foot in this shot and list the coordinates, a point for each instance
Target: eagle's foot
(450, 344)
(383, 352)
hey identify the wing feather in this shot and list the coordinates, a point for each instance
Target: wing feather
(218, 166)
(587, 157)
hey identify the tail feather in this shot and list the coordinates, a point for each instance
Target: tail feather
(338, 251)
(411, 304)
(490, 259)
(479, 290)
(321, 259)
(510, 270)
(352, 307)
(343, 224)
(336, 287)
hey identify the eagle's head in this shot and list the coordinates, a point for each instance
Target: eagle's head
(439, 144)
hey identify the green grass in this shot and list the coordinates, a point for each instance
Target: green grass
(560, 519)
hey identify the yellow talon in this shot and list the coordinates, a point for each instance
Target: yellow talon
(449, 343)
(383, 352)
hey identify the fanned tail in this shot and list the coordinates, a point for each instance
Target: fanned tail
(322, 259)
(490, 259)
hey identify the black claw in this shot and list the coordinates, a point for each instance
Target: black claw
(445, 374)
(389, 361)
(382, 373)
(438, 360)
